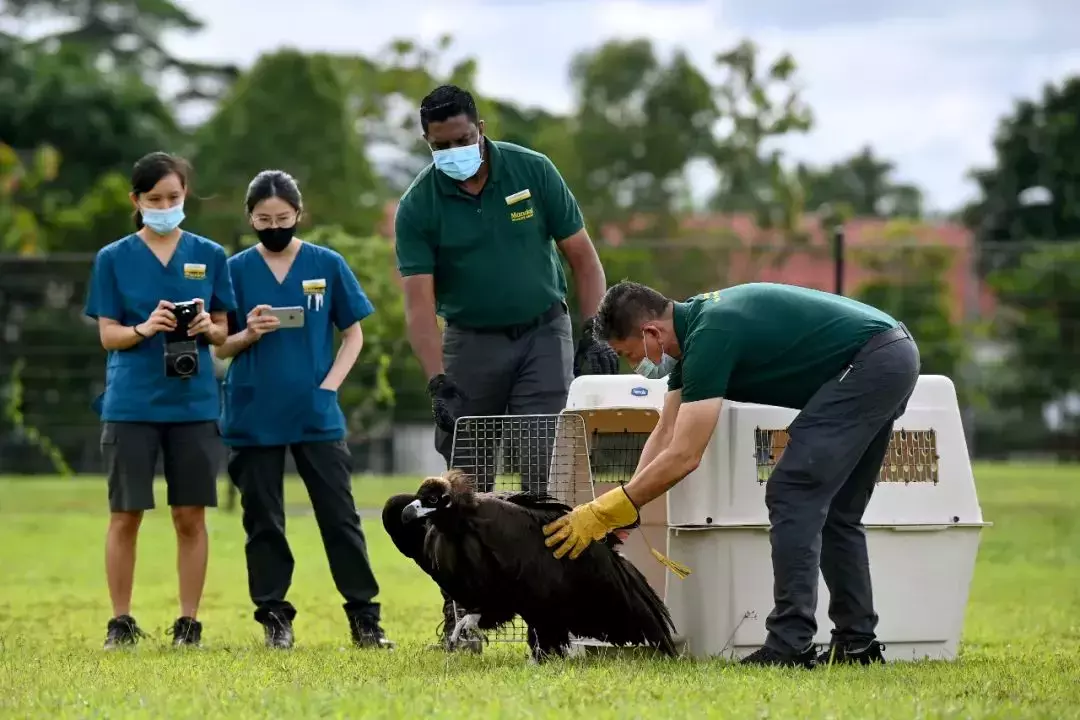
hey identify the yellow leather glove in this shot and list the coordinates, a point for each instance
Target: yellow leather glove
(590, 522)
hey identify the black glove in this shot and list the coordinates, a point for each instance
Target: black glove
(446, 401)
(601, 357)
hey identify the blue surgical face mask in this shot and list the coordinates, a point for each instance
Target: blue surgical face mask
(459, 163)
(163, 222)
(647, 368)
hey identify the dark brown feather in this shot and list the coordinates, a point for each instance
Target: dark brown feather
(488, 553)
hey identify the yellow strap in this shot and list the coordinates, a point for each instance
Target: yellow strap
(677, 568)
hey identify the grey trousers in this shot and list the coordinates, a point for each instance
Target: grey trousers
(820, 488)
(527, 372)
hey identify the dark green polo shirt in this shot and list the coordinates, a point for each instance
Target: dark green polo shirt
(768, 343)
(493, 256)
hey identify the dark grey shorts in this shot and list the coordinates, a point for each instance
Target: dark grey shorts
(191, 454)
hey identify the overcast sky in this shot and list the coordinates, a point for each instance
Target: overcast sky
(923, 81)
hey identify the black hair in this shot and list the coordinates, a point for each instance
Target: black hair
(445, 102)
(148, 172)
(273, 183)
(624, 307)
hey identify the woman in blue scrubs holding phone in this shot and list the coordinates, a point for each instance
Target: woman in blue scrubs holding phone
(281, 393)
(160, 297)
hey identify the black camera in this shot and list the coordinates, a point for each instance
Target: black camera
(181, 351)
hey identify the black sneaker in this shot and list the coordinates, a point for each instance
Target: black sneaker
(366, 633)
(278, 632)
(767, 656)
(122, 630)
(186, 632)
(844, 654)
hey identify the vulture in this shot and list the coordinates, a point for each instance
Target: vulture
(487, 552)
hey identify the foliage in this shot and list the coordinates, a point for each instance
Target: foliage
(910, 283)
(863, 185)
(1037, 145)
(1028, 254)
(259, 126)
(120, 118)
(52, 365)
(638, 123)
(79, 105)
(752, 179)
(1040, 322)
(13, 414)
(20, 231)
(385, 91)
(126, 36)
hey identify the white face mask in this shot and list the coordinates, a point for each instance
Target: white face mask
(647, 368)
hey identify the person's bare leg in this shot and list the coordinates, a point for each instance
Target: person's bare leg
(120, 541)
(191, 556)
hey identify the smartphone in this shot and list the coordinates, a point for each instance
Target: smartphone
(288, 317)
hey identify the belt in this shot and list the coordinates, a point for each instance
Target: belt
(557, 309)
(884, 338)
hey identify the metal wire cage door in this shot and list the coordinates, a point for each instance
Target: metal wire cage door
(532, 453)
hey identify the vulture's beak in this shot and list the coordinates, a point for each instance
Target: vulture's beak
(414, 511)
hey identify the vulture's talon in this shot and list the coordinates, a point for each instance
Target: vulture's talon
(470, 622)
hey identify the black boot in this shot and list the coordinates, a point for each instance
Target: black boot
(367, 633)
(277, 631)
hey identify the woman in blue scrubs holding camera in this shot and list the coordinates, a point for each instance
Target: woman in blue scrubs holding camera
(281, 392)
(160, 297)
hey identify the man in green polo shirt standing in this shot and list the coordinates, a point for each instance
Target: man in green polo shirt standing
(478, 236)
(847, 367)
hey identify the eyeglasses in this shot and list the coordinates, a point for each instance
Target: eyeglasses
(261, 222)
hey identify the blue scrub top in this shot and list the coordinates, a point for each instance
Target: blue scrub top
(272, 393)
(127, 283)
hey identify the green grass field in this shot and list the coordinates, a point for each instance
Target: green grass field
(1020, 655)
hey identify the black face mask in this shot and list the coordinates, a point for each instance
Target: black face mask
(276, 239)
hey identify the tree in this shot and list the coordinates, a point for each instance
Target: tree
(863, 184)
(20, 231)
(639, 121)
(289, 112)
(1039, 321)
(1028, 253)
(1037, 145)
(757, 107)
(124, 36)
(386, 90)
(910, 283)
(119, 117)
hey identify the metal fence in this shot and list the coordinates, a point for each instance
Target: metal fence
(1002, 321)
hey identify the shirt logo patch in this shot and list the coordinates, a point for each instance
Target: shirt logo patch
(314, 287)
(194, 271)
(521, 215)
(518, 196)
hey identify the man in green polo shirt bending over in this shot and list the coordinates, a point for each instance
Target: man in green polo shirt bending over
(847, 367)
(479, 233)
